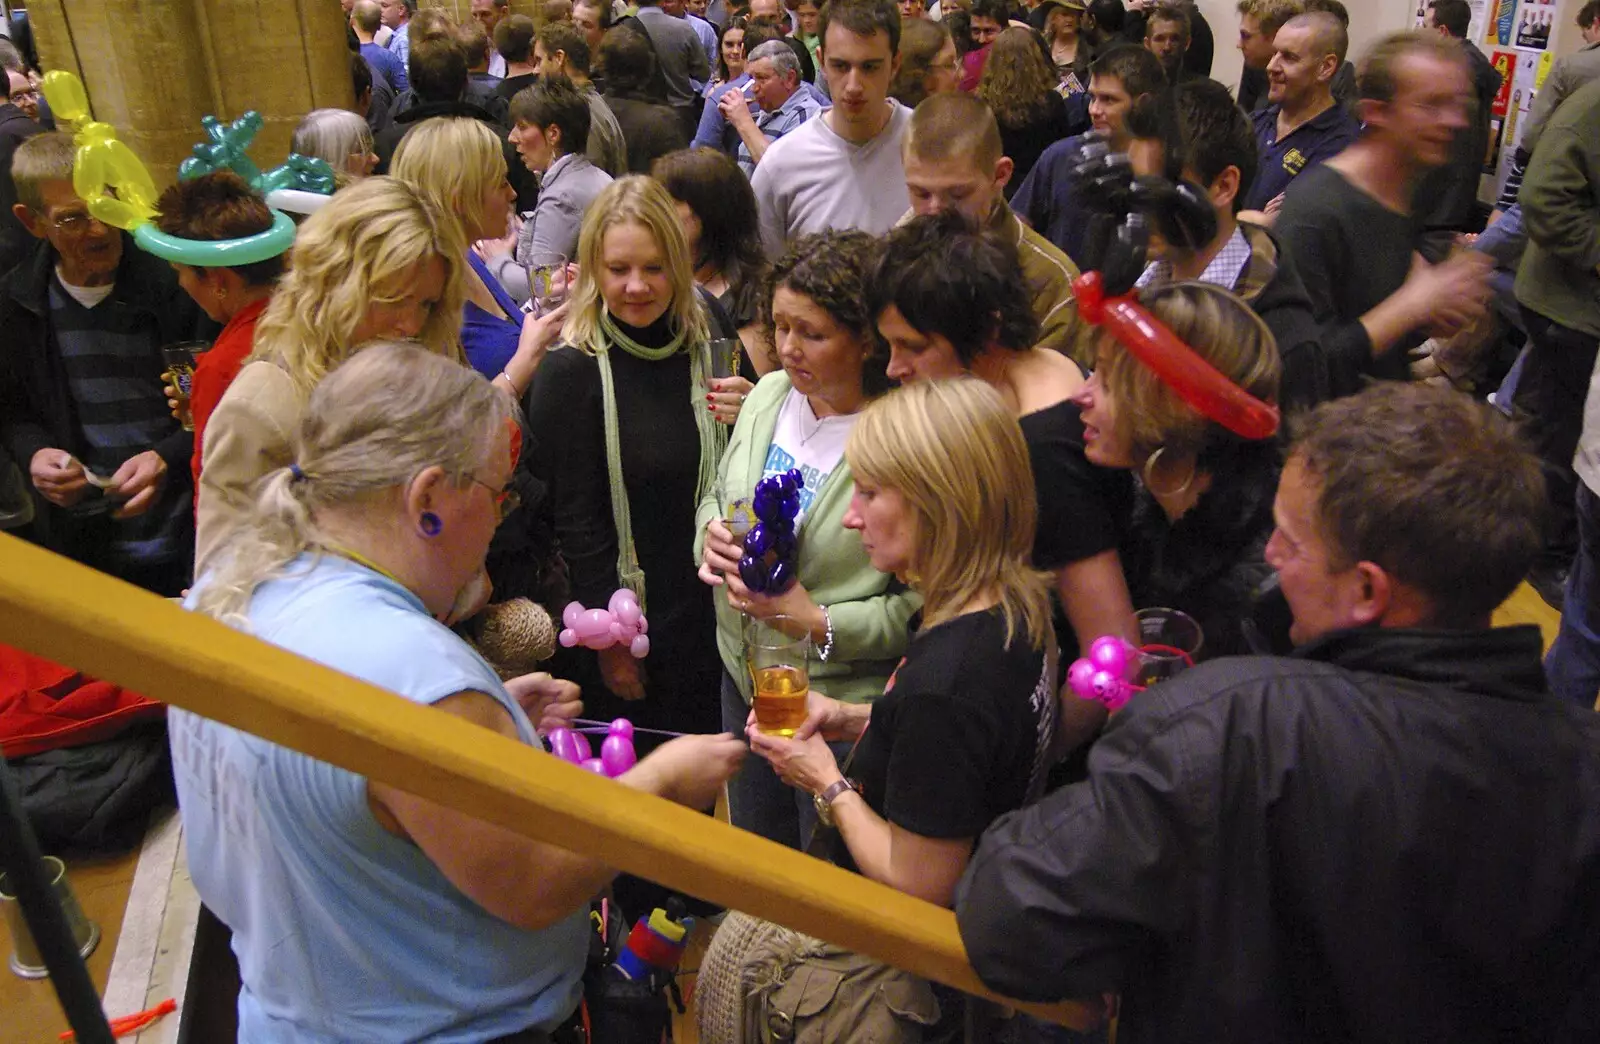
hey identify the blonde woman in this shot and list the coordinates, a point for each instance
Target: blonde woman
(342, 893)
(961, 735)
(625, 439)
(1196, 530)
(459, 164)
(1019, 84)
(341, 138)
(379, 261)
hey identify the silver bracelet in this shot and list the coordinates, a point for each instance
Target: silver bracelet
(509, 384)
(827, 643)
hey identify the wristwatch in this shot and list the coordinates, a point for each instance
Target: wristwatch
(824, 800)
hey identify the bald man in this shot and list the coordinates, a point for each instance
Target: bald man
(1302, 125)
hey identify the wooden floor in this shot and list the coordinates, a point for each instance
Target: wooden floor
(31, 1015)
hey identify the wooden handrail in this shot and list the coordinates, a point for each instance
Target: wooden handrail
(58, 609)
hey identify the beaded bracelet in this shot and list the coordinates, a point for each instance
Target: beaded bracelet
(827, 644)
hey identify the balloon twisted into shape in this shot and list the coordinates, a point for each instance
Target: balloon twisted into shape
(117, 189)
(1179, 367)
(622, 622)
(616, 751)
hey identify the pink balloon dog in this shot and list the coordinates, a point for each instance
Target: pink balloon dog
(621, 623)
(616, 752)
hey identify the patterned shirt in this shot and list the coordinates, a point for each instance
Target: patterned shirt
(1224, 269)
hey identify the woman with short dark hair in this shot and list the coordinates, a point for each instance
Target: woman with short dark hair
(212, 207)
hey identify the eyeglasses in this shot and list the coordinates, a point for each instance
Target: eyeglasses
(506, 500)
(75, 223)
(25, 92)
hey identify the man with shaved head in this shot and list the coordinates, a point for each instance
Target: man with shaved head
(1259, 22)
(1303, 125)
(954, 160)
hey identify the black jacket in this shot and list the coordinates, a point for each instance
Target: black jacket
(15, 128)
(1392, 836)
(1272, 288)
(1447, 198)
(37, 410)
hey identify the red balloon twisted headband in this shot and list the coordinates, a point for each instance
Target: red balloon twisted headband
(1196, 381)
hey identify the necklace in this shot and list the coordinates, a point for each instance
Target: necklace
(358, 559)
(821, 421)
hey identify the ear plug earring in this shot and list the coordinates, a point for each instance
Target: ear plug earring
(431, 526)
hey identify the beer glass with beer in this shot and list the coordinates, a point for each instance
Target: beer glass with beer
(780, 672)
(180, 360)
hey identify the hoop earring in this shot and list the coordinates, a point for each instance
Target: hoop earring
(1149, 468)
(431, 525)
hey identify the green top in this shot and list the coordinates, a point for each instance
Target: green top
(1559, 276)
(870, 610)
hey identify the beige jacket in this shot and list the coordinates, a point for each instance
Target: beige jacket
(249, 435)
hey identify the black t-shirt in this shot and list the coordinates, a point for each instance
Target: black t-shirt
(961, 733)
(1083, 509)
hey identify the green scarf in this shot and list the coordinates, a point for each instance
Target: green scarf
(713, 436)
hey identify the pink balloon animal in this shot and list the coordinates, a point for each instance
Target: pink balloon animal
(1106, 674)
(621, 623)
(616, 752)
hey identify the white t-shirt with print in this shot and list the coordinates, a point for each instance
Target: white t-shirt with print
(805, 441)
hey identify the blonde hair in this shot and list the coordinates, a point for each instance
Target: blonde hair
(456, 161)
(1222, 330)
(388, 414)
(357, 250)
(636, 200)
(954, 451)
(42, 158)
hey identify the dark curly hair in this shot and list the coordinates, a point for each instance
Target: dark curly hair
(219, 205)
(949, 280)
(830, 268)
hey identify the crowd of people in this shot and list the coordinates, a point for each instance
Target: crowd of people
(996, 281)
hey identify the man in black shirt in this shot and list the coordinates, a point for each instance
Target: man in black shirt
(1348, 225)
(1393, 834)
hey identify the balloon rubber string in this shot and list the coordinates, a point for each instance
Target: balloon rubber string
(590, 725)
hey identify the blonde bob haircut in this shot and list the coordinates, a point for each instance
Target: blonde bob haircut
(455, 160)
(373, 425)
(633, 200)
(362, 248)
(1222, 330)
(954, 451)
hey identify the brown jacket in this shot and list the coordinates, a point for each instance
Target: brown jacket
(249, 434)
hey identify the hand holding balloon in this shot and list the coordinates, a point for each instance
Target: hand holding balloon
(622, 622)
(616, 751)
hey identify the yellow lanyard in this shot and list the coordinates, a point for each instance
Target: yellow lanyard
(359, 559)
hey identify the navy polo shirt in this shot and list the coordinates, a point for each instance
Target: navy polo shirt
(1320, 138)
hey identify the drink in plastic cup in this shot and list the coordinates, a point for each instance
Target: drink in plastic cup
(1170, 642)
(180, 360)
(547, 280)
(780, 672)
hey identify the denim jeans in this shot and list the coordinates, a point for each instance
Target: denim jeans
(1573, 663)
(758, 801)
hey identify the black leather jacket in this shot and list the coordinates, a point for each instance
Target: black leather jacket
(1391, 836)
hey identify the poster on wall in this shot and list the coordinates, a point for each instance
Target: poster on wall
(1505, 63)
(1500, 22)
(1535, 22)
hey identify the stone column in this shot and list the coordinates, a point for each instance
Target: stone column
(153, 68)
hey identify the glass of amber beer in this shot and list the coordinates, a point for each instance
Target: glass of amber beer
(780, 672)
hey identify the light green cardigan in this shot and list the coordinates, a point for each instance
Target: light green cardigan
(869, 609)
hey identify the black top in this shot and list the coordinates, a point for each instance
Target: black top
(960, 734)
(1392, 836)
(1351, 252)
(1083, 509)
(650, 129)
(660, 451)
(508, 87)
(1210, 562)
(1026, 143)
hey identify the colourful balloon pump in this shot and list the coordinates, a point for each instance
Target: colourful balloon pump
(616, 751)
(770, 548)
(622, 622)
(1106, 674)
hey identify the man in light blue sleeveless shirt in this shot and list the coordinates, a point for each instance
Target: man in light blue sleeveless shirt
(344, 931)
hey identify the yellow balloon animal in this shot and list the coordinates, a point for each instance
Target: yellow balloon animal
(103, 162)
